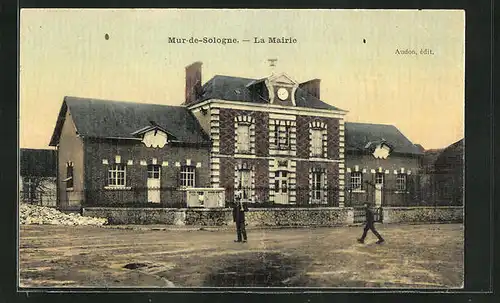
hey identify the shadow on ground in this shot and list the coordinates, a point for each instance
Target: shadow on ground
(260, 270)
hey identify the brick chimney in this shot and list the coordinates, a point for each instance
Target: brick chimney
(193, 82)
(312, 87)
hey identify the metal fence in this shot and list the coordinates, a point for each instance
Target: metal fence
(39, 198)
(425, 190)
(360, 214)
(177, 197)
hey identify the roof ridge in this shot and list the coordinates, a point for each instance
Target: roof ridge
(119, 101)
(370, 123)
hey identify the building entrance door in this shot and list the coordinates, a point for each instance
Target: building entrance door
(153, 183)
(378, 195)
(379, 184)
(281, 187)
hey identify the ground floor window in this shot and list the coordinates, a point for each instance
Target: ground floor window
(356, 180)
(116, 175)
(153, 171)
(318, 184)
(280, 182)
(245, 182)
(379, 178)
(401, 182)
(187, 176)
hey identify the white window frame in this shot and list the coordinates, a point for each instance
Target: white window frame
(401, 186)
(317, 143)
(317, 190)
(242, 138)
(285, 144)
(382, 178)
(358, 177)
(281, 177)
(154, 171)
(116, 173)
(245, 175)
(187, 176)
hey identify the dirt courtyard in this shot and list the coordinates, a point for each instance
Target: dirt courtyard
(414, 256)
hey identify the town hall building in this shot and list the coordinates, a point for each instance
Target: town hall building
(273, 138)
(264, 132)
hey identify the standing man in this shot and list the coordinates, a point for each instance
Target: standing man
(239, 210)
(370, 220)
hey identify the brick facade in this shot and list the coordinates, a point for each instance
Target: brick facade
(261, 169)
(369, 166)
(303, 140)
(304, 185)
(266, 165)
(262, 134)
(227, 131)
(96, 172)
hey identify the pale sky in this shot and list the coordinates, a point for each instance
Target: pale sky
(64, 52)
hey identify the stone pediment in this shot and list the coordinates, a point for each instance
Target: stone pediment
(282, 79)
(281, 89)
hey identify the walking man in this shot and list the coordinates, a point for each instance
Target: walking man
(370, 220)
(239, 210)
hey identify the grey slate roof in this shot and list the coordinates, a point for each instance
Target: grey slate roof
(420, 147)
(451, 157)
(235, 89)
(38, 162)
(117, 119)
(359, 135)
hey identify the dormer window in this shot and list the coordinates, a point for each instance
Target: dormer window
(154, 136)
(379, 150)
(281, 89)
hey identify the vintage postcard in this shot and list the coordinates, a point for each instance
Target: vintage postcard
(200, 148)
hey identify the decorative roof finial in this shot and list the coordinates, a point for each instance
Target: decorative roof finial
(272, 64)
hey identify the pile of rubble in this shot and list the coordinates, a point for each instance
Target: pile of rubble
(33, 214)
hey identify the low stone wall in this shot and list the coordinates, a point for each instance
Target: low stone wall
(439, 214)
(169, 216)
(330, 216)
